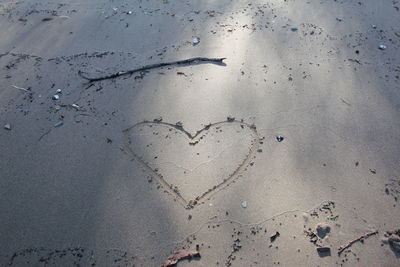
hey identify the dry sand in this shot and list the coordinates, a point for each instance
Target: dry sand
(104, 189)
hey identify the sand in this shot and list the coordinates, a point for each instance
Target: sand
(127, 171)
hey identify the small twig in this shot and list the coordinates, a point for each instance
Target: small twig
(180, 255)
(344, 247)
(20, 88)
(153, 66)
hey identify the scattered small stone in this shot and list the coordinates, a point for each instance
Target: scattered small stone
(59, 91)
(373, 26)
(75, 106)
(339, 19)
(190, 217)
(7, 126)
(382, 47)
(259, 150)
(324, 251)
(129, 12)
(279, 138)
(322, 230)
(56, 97)
(58, 124)
(230, 119)
(274, 236)
(195, 41)
(158, 119)
(108, 140)
(244, 204)
(293, 29)
(57, 107)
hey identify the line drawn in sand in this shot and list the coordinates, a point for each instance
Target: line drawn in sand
(193, 140)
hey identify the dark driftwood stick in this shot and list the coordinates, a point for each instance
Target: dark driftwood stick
(153, 66)
(344, 247)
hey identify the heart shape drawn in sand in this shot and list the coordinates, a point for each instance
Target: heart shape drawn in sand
(192, 167)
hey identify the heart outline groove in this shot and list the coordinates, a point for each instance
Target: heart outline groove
(191, 203)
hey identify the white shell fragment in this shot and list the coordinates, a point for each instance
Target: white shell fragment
(58, 124)
(244, 204)
(195, 40)
(75, 106)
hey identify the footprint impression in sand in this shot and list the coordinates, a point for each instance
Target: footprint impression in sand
(192, 166)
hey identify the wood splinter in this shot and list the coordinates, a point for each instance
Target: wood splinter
(344, 247)
(154, 66)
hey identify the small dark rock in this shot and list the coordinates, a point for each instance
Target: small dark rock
(158, 119)
(274, 236)
(324, 251)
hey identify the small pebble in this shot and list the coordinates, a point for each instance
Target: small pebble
(58, 124)
(59, 91)
(7, 126)
(195, 40)
(129, 12)
(293, 29)
(322, 230)
(373, 26)
(244, 204)
(339, 19)
(56, 97)
(382, 47)
(279, 138)
(75, 106)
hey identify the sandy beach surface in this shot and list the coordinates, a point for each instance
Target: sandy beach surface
(286, 153)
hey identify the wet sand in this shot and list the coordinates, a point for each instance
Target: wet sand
(280, 157)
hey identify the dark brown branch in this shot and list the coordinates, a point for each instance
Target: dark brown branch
(154, 66)
(344, 247)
